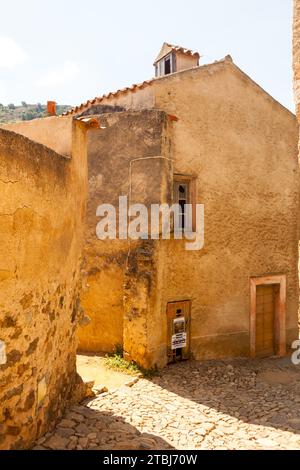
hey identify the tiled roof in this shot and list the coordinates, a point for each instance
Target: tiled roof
(168, 48)
(99, 99)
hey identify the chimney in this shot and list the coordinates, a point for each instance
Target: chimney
(51, 108)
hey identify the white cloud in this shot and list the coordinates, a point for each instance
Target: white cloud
(59, 76)
(11, 54)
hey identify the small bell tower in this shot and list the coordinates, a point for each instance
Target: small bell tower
(173, 59)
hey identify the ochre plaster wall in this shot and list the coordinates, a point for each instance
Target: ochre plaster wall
(242, 147)
(184, 62)
(42, 210)
(54, 132)
(113, 151)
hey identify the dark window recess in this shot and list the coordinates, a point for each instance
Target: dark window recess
(181, 197)
(182, 214)
(182, 204)
(168, 66)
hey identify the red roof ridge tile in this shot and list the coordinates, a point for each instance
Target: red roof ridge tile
(99, 99)
(132, 88)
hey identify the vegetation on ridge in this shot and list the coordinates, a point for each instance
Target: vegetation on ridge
(26, 112)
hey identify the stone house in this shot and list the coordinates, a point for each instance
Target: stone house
(42, 211)
(200, 135)
(233, 148)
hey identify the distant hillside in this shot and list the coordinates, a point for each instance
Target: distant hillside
(26, 112)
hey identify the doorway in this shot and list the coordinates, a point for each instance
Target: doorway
(265, 320)
(178, 330)
(267, 316)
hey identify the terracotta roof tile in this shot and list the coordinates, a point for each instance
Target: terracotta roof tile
(99, 99)
(168, 48)
(227, 59)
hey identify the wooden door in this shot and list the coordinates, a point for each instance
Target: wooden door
(265, 320)
(178, 318)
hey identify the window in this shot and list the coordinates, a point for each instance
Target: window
(166, 66)
(185, 193)
(181, 191)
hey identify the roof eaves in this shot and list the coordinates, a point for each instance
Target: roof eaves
(134, 87)
(99, 99)
(168, 48)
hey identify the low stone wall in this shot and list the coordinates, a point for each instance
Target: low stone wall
(41, 210)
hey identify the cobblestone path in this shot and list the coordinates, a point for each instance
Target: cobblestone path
(238, 404)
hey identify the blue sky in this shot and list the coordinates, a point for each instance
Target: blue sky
(73, 50)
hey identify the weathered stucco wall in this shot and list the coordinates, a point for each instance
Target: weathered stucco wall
(241, 144)
(42, 208)
(113, 156)
(184, 62)
(144, 319)
(55, 132)
(242, 147)
(143, 98)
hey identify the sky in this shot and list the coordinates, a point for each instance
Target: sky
(70, 51)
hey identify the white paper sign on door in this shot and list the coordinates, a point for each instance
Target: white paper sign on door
(179, 336)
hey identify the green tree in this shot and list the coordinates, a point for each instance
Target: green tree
(29, 115)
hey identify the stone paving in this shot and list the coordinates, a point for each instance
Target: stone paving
(240, 404)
